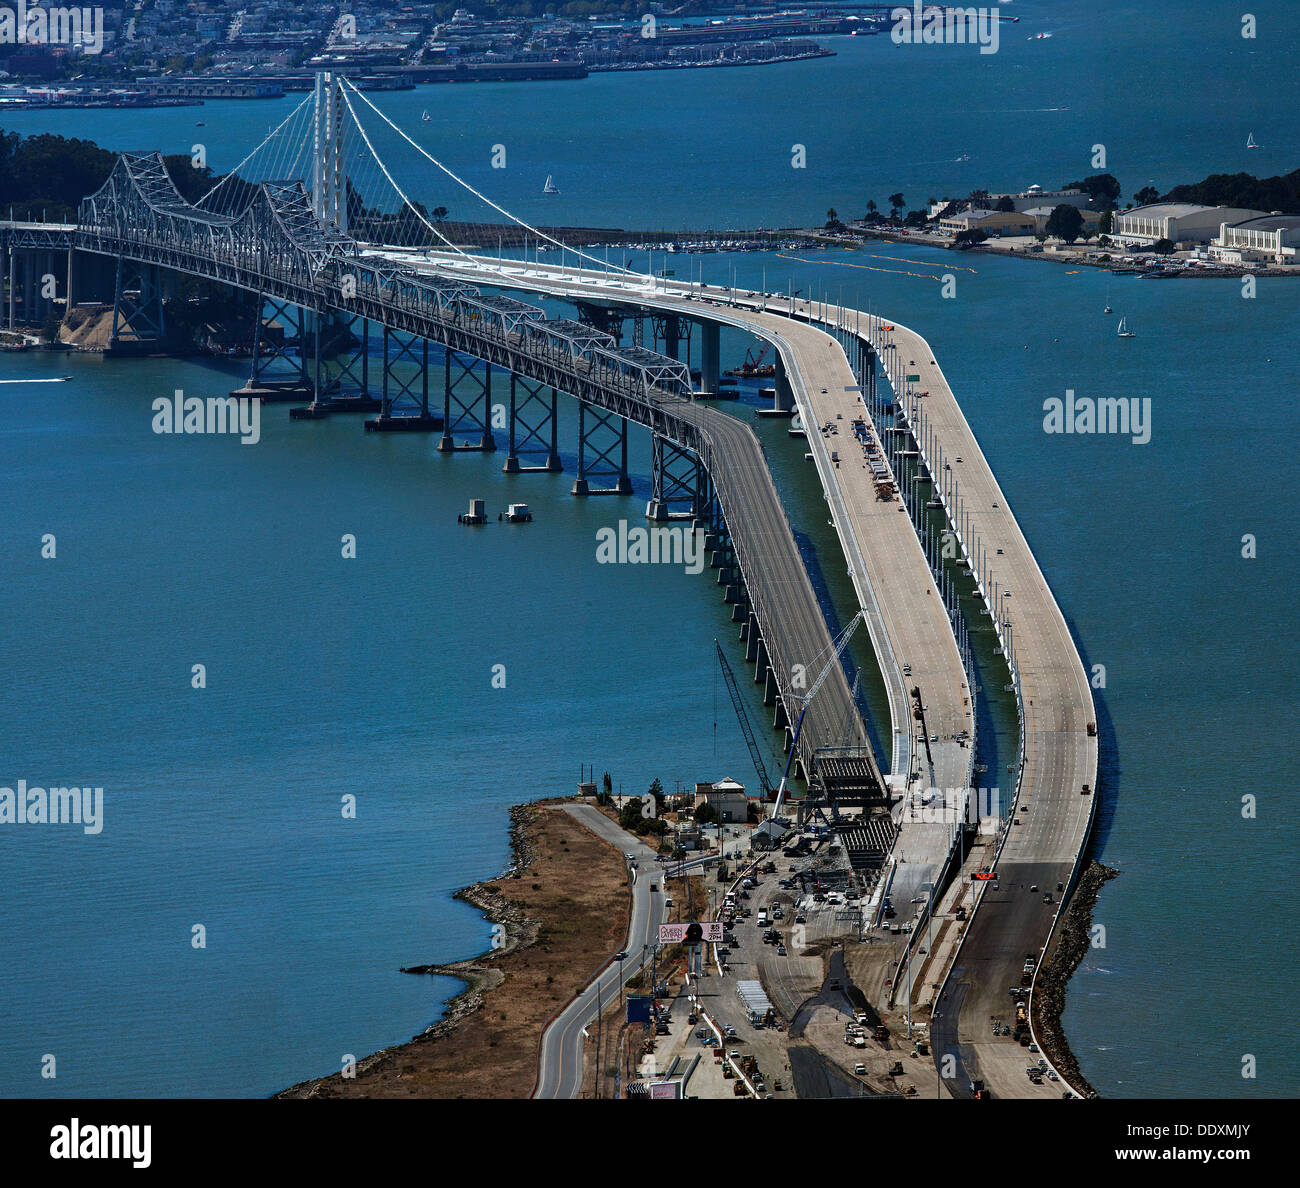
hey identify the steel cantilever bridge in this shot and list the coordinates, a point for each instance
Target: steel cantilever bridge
(299, 227)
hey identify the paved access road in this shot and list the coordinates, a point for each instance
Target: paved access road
(560, 1072)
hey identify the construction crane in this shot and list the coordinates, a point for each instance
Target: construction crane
(754, 753)
(837, 649)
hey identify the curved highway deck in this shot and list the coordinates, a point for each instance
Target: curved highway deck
(1059, 754)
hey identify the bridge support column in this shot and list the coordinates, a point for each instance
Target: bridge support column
(11, 288)
(533, 428)
(29, 288)
(710, 355)
(668, 331)
(138, 317)
(596, 425)
(404, 401)
(760, 664)
(460, 416)
(675, 482)
(751, 638)
(278, 325)
(784, 401)
(770, 689)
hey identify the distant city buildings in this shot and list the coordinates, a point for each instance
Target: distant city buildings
(160, 39)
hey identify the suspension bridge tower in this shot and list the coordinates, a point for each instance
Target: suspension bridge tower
(329, 176)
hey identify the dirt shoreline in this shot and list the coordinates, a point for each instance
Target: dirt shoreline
(1068, 948)
(557, 908)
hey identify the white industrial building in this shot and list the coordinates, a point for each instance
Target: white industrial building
(1182, 223)
(727, 796)
(1271, 238)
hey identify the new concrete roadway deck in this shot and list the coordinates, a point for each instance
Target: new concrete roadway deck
(1056, 702)
(905, 614)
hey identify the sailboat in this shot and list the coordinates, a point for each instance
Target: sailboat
(425, 116)
(1108, 308)
(550, 187)
(1250, 141)
(1123, 331)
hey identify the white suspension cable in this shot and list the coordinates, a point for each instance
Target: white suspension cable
(483, 197)
(251, 155)
(401, 193)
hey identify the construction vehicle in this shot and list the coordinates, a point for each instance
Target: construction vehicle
(881, 1032)
(753, 367)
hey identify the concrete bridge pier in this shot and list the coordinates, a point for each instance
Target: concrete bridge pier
(670, 332)
(752, 638)
(770, 690)
(784, 391)
(710, 357)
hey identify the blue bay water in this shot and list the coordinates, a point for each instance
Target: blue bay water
(372, 676)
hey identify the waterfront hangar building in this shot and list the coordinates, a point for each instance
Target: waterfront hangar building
(1182, 223)
(1272, 239)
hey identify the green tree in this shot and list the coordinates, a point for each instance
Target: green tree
(656, 790)
(1107, 222)
(1163, 247)
(1146, 196)
(629, 816)
(706, 813)
(896, 204)
(1102, 188)
(439, 214)
(965, 239)
(872, 208)
(1065, 222)
(1005, 204)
